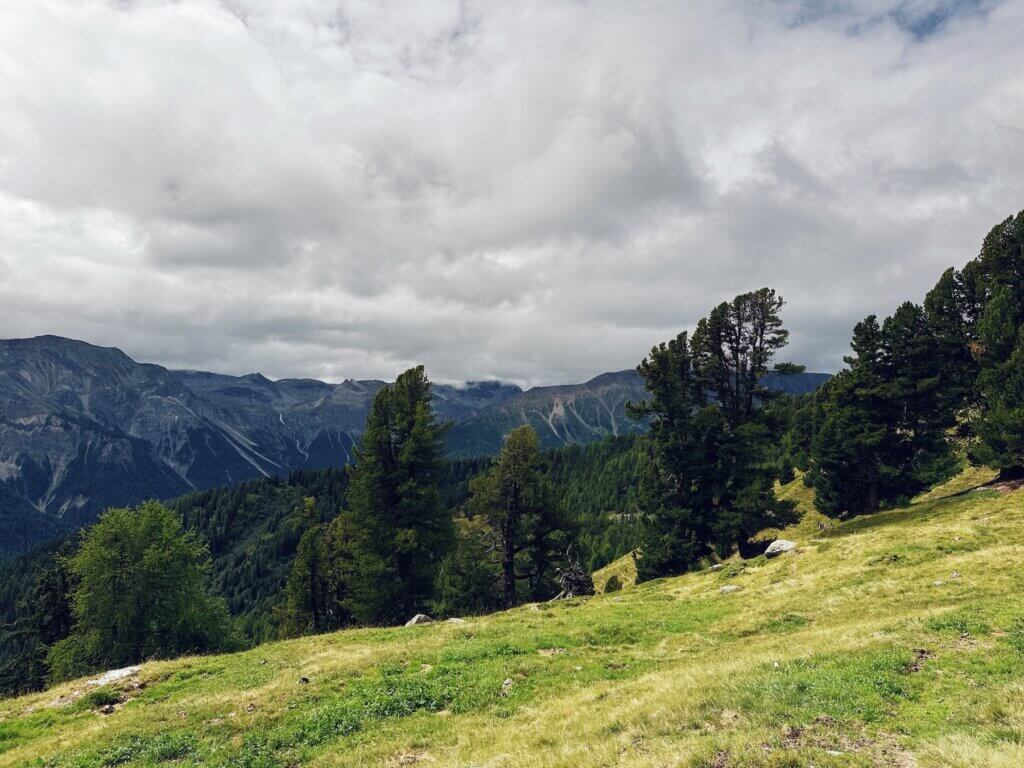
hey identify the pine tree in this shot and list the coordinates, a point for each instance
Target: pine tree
(469, 580)
(398, 529)
(306, 593)
(1000, 425)
(998, 277)
(708, 483)
(524, 514)
(882, 435)
(953, 309)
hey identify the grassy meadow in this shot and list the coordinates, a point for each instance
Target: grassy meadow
(894, 640)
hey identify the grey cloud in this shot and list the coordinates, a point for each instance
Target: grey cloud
(530, 191)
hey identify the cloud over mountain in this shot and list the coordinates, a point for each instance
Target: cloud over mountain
(529, 190)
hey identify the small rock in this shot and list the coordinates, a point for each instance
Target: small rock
(419, 618)
(717, 566)
(728, 589)
(921, 655)
(250, 707)
(938, 583)
(303, 681)
(456, 621)
(505, 686)
(107, 709)
(779, 546)
(955, 575)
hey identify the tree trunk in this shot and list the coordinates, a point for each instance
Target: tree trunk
(508, 544)
(313, 597)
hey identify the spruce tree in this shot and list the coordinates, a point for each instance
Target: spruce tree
(397, 526)
(882, 436)
(307, 595)
(998, 277)
(524, 514)
(469, 580)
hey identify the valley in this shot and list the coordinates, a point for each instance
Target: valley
(83, 428)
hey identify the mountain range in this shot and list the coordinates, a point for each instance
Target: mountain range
(83, 427)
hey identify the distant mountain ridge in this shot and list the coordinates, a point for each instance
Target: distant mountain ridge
(579, 413)
(83, 427)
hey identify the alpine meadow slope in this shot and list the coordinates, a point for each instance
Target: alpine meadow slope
(890, 640)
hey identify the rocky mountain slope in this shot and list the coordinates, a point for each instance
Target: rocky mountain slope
(85, 427)
(578, 413)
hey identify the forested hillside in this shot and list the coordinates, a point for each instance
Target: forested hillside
(83, 428)
(253, 528)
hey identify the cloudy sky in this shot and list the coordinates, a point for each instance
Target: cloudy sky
(529, 191)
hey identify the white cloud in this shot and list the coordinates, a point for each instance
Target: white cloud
(535, 191)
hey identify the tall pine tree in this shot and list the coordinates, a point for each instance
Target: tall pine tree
(397, 527)
(708, 483)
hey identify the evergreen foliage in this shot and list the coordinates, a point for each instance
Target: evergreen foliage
(525, 518)
(140, 592)
(469, 580)
(708, 483)
(954, 366)
(310, 595)
(882, 438)
(598, 486)
(253, 531)
(43, 617)
(399, 529)
(997, 275)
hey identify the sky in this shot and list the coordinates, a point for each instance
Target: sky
(530, 191)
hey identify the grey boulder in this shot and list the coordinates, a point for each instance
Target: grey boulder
(779, 546)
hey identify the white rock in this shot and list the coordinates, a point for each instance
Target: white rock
(419, 618)
(728, 589)
(113, 675)
(454, 620)
(717, 566)
(779, 546)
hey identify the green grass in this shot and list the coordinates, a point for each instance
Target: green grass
(619, 574)
(895, 640)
